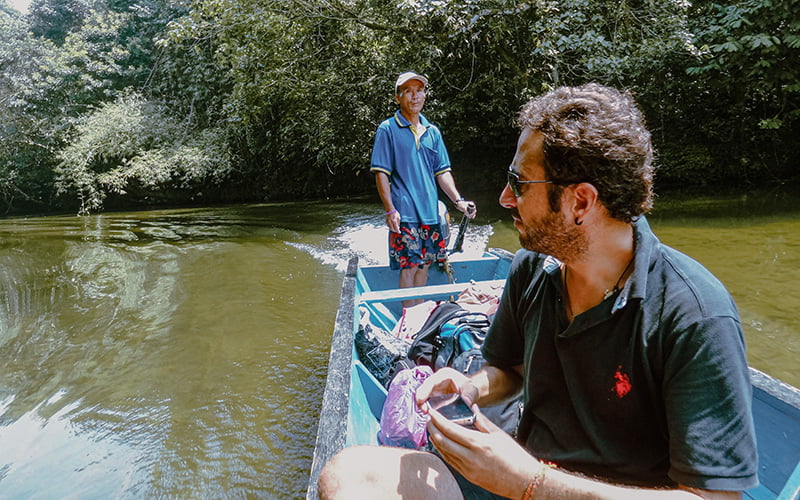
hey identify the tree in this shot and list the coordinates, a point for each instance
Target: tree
(101, 52)
(756, 44)
(55, 19)
(301, 87)
(741, 94)
(138, 146)
(290, 91)
(311, 79)
(26, 139)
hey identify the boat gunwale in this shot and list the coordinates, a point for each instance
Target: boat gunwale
(332, 428)
(775, 387)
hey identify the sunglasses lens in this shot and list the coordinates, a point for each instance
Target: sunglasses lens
(512, 183)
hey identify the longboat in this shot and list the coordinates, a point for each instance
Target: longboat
(353, 396)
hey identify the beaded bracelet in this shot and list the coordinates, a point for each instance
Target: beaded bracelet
(535, 482)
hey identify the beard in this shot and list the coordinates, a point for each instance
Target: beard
(553, 235)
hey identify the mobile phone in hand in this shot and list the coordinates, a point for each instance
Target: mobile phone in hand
(454, 408)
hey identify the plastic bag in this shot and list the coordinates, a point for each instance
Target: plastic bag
(413, 319)
(378, 349)
(402, 423)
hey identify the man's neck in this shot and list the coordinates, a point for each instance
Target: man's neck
(412, 118)
(605, 265)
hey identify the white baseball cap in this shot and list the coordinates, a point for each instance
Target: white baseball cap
(408, 75)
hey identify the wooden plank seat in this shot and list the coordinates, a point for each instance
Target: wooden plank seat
(423, 292)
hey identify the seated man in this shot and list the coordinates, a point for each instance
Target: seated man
(630, 355)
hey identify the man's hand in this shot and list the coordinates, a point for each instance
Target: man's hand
(488, 456)
(393, 221)
(467, 207)
(446, 381)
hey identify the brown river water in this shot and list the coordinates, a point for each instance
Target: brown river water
(182, 353)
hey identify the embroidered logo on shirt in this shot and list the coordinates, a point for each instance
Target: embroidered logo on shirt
(622, 384)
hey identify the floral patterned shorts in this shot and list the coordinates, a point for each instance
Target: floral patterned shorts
(415, 245)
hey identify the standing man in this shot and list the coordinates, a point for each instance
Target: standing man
(629, 354)
(409, 159)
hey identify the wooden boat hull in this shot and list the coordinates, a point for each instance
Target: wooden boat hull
(353, 397)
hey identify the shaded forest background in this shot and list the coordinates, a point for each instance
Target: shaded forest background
(131, 103)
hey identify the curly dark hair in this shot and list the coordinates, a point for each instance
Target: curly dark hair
(595, 134)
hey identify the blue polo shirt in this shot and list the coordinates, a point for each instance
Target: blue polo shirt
(649, 387)
(411, 167)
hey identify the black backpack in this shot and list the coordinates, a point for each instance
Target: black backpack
(430, 348)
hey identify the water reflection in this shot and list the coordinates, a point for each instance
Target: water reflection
(42, 451)
(162, 350)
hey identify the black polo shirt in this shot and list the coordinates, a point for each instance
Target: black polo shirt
(649, 387)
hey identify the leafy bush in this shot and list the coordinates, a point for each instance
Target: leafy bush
(137, 143)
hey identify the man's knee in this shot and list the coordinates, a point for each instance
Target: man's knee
(407, 277)
(385, 472)
(343, 471)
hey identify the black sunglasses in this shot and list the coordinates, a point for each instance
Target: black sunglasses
(514, 182)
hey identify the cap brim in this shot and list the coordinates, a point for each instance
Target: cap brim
(406, 78)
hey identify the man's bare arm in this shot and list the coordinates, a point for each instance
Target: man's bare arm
(385, 192)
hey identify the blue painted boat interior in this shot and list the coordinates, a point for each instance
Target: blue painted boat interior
(778, 433)
(367, 394)
(366, 401)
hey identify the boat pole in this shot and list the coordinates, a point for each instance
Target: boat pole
(458, 245)
(462, 230)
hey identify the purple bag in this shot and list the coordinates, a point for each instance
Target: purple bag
(402, 423)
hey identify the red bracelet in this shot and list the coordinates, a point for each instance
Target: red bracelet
(535, 482)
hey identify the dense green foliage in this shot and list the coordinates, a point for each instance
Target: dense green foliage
(152, 101)
(136, 145)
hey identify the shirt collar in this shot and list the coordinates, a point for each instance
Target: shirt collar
(645, 242)
(403, 123)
